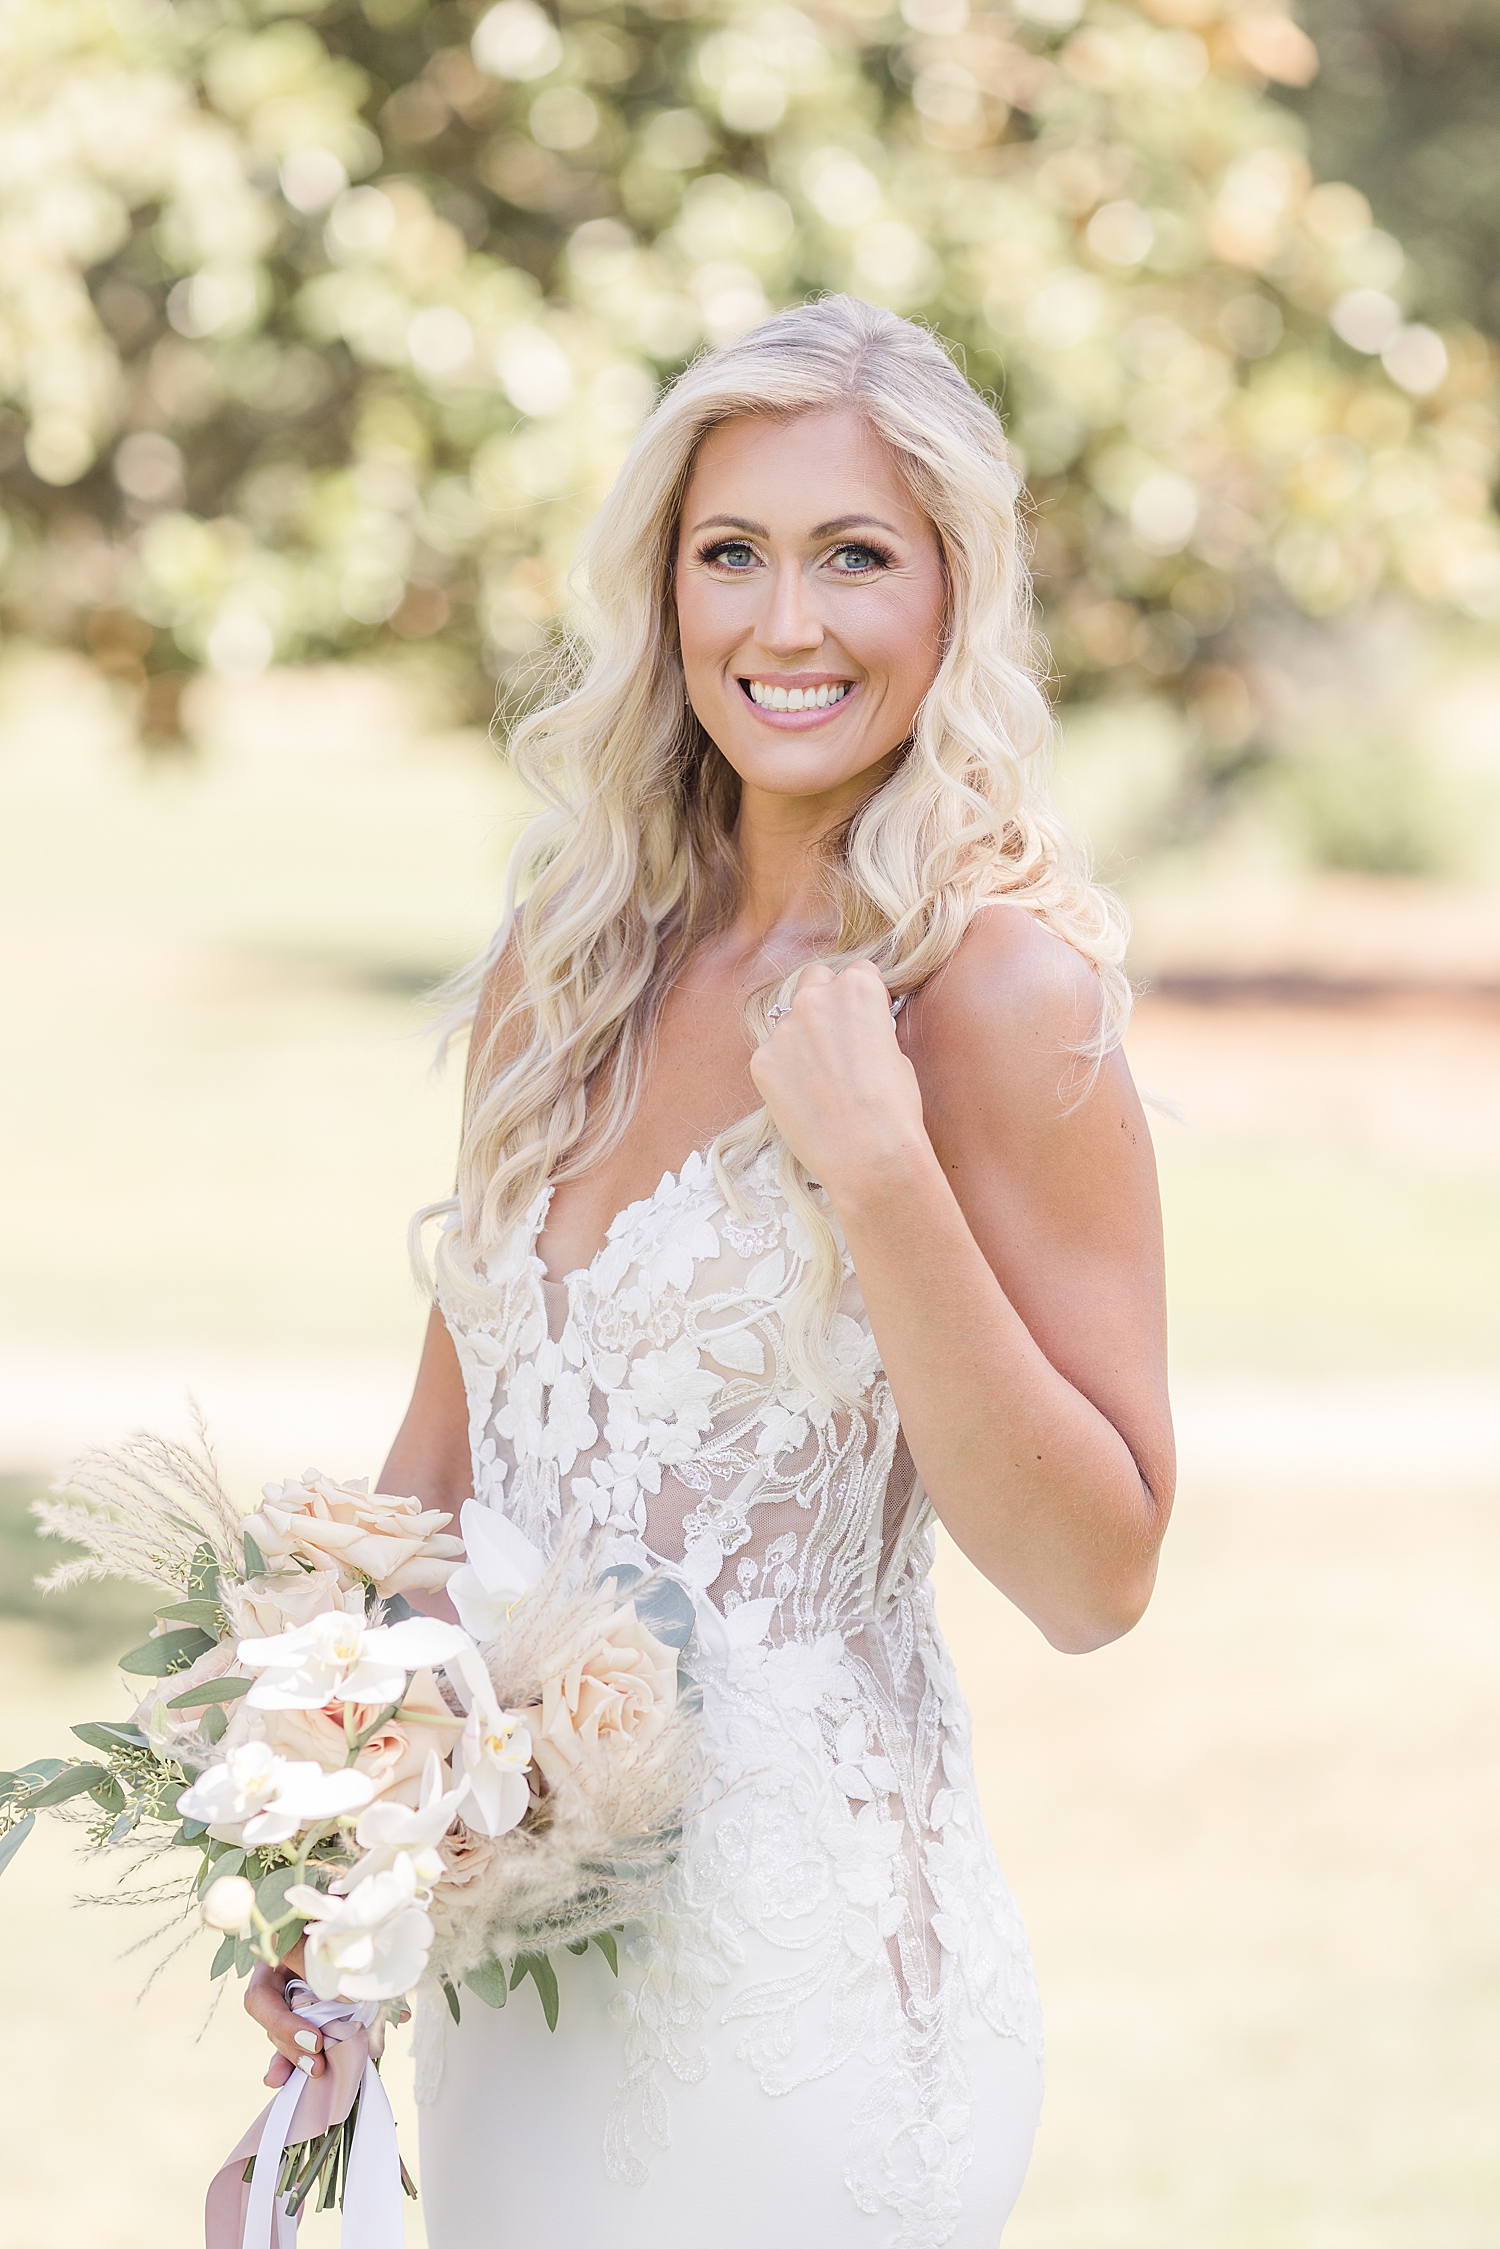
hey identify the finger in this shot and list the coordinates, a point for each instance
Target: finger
(265, 2003)
(814, 974)
(862, 983)
(279, 2071)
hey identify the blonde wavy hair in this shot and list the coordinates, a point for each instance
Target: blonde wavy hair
(632, 862)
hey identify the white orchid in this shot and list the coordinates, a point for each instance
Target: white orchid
(339, 1658)
(372, 1943)
(388, 1829)
(496, 1750)
(502, 1564)
(254, 1797)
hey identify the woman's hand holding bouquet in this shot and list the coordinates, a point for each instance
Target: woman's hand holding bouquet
(377, 1799)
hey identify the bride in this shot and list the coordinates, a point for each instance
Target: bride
(804, 1197)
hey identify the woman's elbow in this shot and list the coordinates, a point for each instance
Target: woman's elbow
(1116, 1598)
(1107, 1617)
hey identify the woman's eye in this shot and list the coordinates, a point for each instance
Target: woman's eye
(856, 561)
(735, 556)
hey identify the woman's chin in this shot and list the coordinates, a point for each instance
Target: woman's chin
(784, 764)
(814, 780)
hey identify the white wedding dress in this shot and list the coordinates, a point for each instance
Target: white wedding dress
(832, 2038)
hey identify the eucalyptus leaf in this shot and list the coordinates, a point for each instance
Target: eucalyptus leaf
(41, 1768)
(621, 1575)
(207, 1615)
(605, 1940)
(487, 1982)
(451, 1995)
(209, 1690)
(168, 1652)
(664, 1606)
(223, 1959)
(73, 1780)
(215, 1723)
(228, 1861)
(190, 1830)
(99, 1734)
(255, 1561)
(271, 1890)
(11, 1843)
(666, 1610)
(544, 1976)
(108, 1794)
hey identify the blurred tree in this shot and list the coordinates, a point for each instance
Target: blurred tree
(323, 325)
(1406, 106)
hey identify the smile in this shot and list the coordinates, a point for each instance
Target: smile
(771, 698)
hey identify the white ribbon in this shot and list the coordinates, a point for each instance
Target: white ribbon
(372, 2187)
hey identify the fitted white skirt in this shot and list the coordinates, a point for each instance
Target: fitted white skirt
(513, 2142)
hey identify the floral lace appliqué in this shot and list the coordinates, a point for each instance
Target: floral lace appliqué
(652, 1392)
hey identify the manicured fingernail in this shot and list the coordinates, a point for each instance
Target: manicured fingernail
(305, 2061)
(307, 2040)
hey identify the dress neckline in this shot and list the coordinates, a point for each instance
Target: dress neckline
(645, 1202)
(672, 1179)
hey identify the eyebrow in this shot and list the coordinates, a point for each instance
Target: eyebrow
(819, 530)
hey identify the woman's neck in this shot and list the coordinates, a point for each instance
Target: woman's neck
(783, 907)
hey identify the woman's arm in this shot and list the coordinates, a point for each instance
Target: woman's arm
(430, 1455)
(1008, 1250)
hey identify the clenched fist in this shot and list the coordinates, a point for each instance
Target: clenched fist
(844, 1097)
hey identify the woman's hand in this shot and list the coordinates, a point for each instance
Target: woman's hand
(1007, 1243)
(843, 1095)
(298, 2045)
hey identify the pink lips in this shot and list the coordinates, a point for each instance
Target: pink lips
(799, 721)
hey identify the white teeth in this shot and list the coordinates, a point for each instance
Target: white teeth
(796, 698)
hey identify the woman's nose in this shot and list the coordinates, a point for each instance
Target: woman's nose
(790, 626)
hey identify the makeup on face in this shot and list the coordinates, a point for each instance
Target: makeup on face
(811, 599)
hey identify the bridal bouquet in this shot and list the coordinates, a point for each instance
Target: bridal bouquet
(421, 1803)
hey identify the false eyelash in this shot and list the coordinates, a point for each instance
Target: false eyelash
(716, 547)
(883, 555)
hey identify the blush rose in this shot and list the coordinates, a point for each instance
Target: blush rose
(395, 1543)
(614, 1700)
(392, 1760)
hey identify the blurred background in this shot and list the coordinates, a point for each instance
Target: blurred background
(322, 328)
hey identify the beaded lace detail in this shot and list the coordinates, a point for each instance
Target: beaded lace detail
(652, 1389)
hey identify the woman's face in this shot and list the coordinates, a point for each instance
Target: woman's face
(810, 600)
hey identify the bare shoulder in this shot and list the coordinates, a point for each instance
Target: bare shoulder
(996, 1036)
(1052, 1165)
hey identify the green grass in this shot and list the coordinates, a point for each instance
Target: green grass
(227, 1115)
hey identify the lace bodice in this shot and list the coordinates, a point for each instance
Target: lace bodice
(652, 1387)
(653, 1390)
